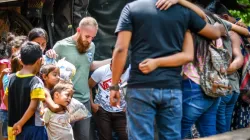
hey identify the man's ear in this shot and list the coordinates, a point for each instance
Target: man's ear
(225, 16)
(78, 29)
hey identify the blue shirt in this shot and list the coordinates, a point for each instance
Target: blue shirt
(156, 34)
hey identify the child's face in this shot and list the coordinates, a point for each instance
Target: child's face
(64, 98)
(42, 42)
(53, 77)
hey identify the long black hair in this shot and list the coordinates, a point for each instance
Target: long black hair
(37, 32)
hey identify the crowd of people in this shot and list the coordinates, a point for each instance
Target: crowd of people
(184, 67)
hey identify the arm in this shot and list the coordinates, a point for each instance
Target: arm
(57, 48)
(240, 30)
(213, 31)
(94, 106)
(17, 128)
(194, 8)
(51, 104)
(174, 60)
(5, 101)
(165, 4)
(97, 64)
(120, 55)
(118, 62)
(237, 55)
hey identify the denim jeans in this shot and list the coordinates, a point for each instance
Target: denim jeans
(225, 112)
(4, 121)
(198, 109)
(146, 105)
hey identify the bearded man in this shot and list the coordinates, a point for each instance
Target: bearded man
(79, 50)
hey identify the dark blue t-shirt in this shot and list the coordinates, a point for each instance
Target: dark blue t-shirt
(156, 34)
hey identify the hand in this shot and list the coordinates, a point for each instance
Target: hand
(17, 129)
(95, 107)
(241, 24)
(148, 66)
(6, 71)
(221, 28)
(165, 4)
(115, 98)
(51, 54)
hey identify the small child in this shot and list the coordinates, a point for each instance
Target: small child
(58, 124)
(23, 97)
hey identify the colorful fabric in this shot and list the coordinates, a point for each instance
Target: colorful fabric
(7, 62)
(241, 115)
(21, 90)
(191, 72)
(102, 76)
(58, 125)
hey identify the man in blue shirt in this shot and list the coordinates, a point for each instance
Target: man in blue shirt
(156, 95)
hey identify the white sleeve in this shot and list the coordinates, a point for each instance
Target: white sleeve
(97, 74)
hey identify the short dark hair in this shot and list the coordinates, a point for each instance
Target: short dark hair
(30, 53)
(221, 9)
(37, 32)
(61, 86)
(5, 50)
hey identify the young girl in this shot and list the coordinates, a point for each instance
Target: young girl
(58, 124)
(5, 53)
(40, 36)
(50, 76)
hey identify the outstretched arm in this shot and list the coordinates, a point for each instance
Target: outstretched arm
(165, 4)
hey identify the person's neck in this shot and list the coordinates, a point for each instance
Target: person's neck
(75, 36)
(48, 86)
(27, 70)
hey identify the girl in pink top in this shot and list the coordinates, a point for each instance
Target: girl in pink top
(5, 53)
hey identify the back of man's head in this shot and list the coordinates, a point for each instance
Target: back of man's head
(30, 53)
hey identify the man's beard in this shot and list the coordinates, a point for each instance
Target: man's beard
(82, 46)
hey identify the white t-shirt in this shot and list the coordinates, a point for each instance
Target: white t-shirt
(103, 76)
(58, 125)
